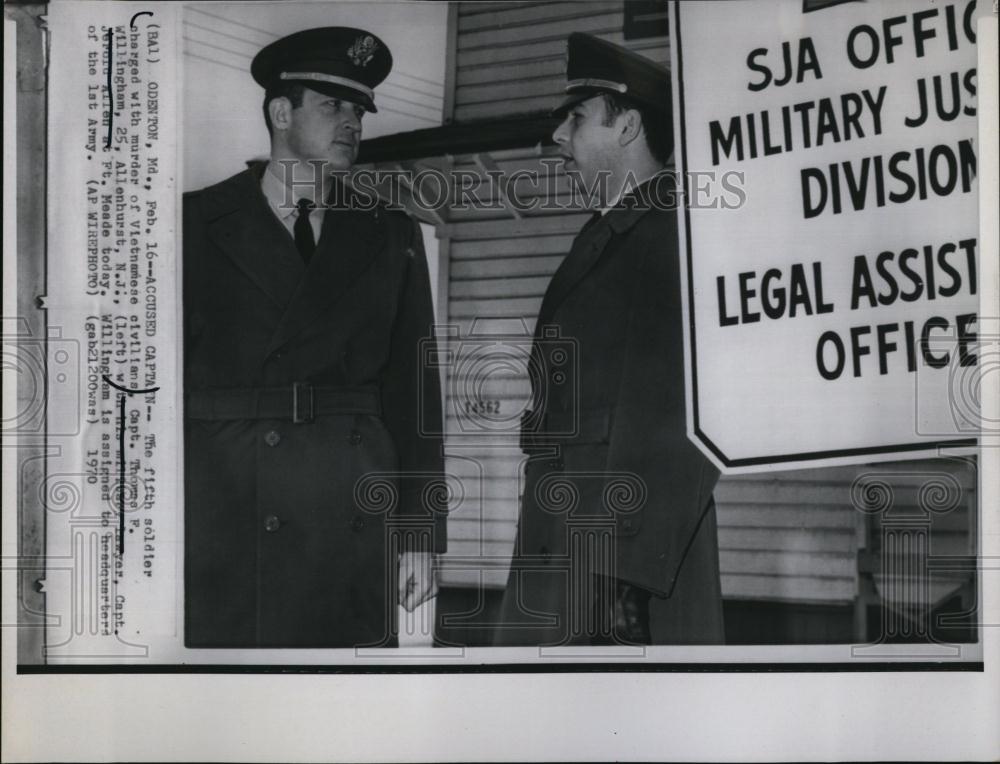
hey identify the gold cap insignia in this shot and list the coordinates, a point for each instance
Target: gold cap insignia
(363, 50)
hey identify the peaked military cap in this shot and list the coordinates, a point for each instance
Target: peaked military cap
(338, 61)
(595, 66)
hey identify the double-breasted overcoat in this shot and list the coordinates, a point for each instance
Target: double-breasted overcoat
(309, 422)
(613, 486)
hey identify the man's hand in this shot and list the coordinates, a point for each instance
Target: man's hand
(417, 579)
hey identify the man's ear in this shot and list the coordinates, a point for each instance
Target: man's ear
(280, 111)
(631, 127)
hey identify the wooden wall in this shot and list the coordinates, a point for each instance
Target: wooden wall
(510, 57)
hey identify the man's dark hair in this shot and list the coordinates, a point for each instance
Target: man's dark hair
(655, 123)
(291, 90)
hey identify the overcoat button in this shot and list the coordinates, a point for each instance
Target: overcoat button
(354, 438)
(272, 438)
(358, 523)
(271, 523)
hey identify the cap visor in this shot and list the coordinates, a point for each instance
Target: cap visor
(572, 99)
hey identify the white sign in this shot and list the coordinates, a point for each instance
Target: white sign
(831, 302)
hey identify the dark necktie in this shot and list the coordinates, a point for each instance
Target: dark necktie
(304, 240)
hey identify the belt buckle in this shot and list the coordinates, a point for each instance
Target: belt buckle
(302, 392)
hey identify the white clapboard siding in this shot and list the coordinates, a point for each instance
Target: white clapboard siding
(533, 49)
(789, 589)
(525, 306)
(556, 245)
(499, 384)
(795, 536)
(558, 29)
(512, 267)
(511, 59)
(488, 92)
(473, 17)
(525, 71)
(499, 287)
(552, 49)
(534, 226)
(498, 273)
(475, 8)
(787, 536)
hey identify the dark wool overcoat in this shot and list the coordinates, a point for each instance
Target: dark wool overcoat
(613, 486)
(291, 528)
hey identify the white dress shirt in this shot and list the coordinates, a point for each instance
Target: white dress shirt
(282, 201)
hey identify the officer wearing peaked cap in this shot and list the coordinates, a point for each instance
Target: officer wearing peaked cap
(307, 475)
(616, 541)
(595, 66)
(341, 62)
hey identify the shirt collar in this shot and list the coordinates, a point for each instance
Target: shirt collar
(277, 193)
(281, 197)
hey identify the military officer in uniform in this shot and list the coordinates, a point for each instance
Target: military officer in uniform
(312, 498)
(616, 541)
